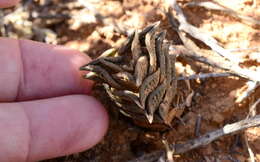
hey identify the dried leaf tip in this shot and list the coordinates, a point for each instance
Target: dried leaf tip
(149, 117)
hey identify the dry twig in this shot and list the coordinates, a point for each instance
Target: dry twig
(205, 139)
(196, 33)
(216, 62)
(250, 151)
(204, 76)
(252, 109)
(218, 7)
(194, 52)
(197, 126)
(251, 113)
(211, 136)
(251, 86)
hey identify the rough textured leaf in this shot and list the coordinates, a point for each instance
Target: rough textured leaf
(126, 79)
(155, 98)
(136, 47)
(126, 45)
(150, 45)
(160, 54)
(104, 75)
(147, 29)
(128, 96)
(141, 69)
(108, 53)
(168, 63)
(111, 65)
(174, 113)
(173, 69)
(93, 76)
(166, 103)
(149, 84)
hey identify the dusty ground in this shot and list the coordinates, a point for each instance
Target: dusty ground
(94, 26)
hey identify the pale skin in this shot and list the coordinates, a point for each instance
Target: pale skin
(44, 112)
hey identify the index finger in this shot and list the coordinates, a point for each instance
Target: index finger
(8, 3)
(33, 70)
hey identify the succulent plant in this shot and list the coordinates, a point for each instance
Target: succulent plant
(140, 77)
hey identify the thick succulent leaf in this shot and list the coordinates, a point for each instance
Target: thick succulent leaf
(104, 75)
(161, 55)
(154, 100)
(131, 109)
(141, 69)
(128, 96)
(166, 103)
(149, 84)
(93, 76)
(168, 63)
(126, 79)
(116, 59)
(126, 45)
(150, 45)
(108, 53)
(173, 69)
(110, 65)
(147, 29)
(174, 113)
(136, 47)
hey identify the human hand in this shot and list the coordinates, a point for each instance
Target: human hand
(42, 114)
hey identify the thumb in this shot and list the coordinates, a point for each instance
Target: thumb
(43, 129)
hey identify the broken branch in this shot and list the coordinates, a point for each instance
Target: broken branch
(196, 33)
(203, 140)
(211, 136)
(223, 64)
(204, 76)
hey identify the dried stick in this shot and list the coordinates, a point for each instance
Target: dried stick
(216, 6)
(211, 136)
(251, 86)
(197, 126)
(250, 151)
(216, 62)
(252, 109)
(196, 33)
(205, 139)
(252, 112)
(193, 51)
(204, 76)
